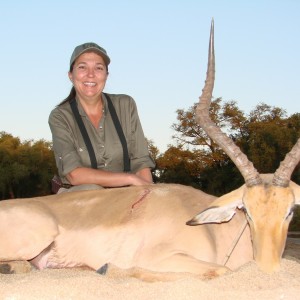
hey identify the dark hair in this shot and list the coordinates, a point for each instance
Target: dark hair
(72, 94)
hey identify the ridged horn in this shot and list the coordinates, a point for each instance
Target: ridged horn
(283, 174)
(250, 174)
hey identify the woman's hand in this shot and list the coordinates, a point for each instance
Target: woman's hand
(146, 175)
(138, 180)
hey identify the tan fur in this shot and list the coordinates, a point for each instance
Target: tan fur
(134, 227)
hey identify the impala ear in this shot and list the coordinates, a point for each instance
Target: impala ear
(221, 210)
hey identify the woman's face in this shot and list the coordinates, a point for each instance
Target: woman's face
(89, 75)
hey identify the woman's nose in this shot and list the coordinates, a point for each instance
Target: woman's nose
(91, 72)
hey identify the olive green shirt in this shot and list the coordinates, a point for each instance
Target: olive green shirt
(70, 150)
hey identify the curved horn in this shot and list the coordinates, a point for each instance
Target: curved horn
(284, 172)
(250, 174)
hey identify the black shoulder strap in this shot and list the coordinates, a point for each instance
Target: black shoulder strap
(87, 140)
(120, 132)
(84, 134)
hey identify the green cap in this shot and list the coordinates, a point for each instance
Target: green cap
(89, 47)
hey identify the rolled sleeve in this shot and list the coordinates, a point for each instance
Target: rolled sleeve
(140, 157)
(65, 151)
(142, 163)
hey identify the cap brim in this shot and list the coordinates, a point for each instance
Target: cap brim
(93, 49)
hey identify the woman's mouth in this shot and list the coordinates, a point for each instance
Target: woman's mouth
(90, 84)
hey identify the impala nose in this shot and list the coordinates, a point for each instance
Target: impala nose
(269, 266)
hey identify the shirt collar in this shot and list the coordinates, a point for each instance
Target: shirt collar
(83, 113)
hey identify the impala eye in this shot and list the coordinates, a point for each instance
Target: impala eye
(290, 214)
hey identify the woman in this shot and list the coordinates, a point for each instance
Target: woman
(88, 73)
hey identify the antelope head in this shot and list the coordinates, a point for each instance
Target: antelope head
(268, 200)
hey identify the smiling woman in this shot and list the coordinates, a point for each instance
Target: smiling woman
(89, 76)
(97, 136)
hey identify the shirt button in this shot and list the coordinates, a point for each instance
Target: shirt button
(100, 127)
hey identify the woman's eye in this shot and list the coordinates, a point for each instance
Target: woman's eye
(81, 67)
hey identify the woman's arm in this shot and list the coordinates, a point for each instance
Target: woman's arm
(145, 174)
(108, 179)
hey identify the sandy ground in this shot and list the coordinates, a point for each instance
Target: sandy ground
(247, 283)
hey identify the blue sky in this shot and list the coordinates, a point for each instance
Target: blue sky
(158, 51)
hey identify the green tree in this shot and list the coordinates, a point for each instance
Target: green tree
(268, 138)
(11, 171)
(187, 131)
(26, 168)
(178, 165)
(39, 159)
(265, 136)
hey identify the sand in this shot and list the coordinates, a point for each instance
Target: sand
(246, 283)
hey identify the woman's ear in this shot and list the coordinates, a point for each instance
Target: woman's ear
(70, 76)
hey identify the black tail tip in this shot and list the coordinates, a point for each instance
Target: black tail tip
(102, 270)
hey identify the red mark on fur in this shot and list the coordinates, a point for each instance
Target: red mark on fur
(140, 199)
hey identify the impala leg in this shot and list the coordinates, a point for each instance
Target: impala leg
(171, 268)
(143, 274)
(180, 262)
